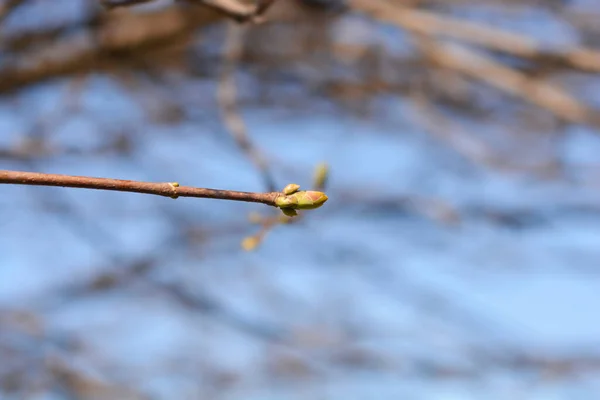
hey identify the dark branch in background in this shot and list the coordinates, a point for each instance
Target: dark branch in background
(234, 9)
(128, 36)
(237, 10)
(432, 24)
(102, 45)
(8, 7)
(429, 27)
(110, 4)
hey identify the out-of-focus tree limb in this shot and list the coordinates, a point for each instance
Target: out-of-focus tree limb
(478, 65)
(7, 7)
(429, 23)
(540, 92)
(240, 11)
(227, 98)
(117, 37)
(111, 40)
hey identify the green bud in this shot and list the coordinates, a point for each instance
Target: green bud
(289, 201)
(291, 188)
(310, 199)
(321, 176)
(304, 200)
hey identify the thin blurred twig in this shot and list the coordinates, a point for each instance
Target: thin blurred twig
(8, 7)
(238, 10)
(227, 97)
(537, 91)
(428, 23)
(479, 66)
(110, 4)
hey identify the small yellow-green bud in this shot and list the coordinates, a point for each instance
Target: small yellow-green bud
(291, 188)
(310, 199)
(250, 243)
(289, 201)
(321, 175)
(174, 186)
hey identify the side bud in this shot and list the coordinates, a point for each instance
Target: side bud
(291, 188)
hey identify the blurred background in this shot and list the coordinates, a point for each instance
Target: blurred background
(458, 256)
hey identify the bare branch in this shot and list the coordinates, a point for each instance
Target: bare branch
(540, 92)
(167, 189)
(432, 24)
(299, 200)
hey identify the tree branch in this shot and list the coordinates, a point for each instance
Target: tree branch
(8, 7)
(299, 200)
(167, 189)
(237, 10)
(110, 4)
(228, 102)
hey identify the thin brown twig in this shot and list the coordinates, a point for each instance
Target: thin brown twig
(166, 189)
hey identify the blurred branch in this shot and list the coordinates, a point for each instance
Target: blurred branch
(227, 97)
(110, 4)
(450, 132)
(102, 44)
(298, 200)
(201, 302)
(8, 7)
(537, 91)
(428, 23)
(112, 41)
(238, 10)
(476, 64)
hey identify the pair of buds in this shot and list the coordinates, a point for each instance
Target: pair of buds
(292, 199)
